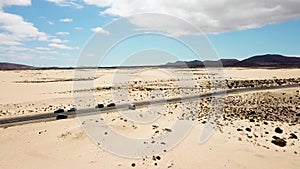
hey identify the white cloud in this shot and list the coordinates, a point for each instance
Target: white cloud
(210, 16)
(18, 49)
(66, 3)
(61, 46)
(15, 32)
(15, 2)
(100, 30)
(9, 40)
(15, 29)
(100, 3)
(66, 20)
(78, 28)
(62, 33)
(43, 48)
(17, 53)
(56, 40)
(45, 20)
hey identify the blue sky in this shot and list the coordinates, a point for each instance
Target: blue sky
(55, 32)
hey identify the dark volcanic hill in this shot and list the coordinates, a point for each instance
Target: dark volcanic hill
(272, 60)
(207, 63)
(224, 62)
(268, 60)
(13, 66)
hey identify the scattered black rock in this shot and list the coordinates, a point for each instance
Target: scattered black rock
(251, 113)
(248, 129)
(170, 165)
(154, 127)
(158, 158)
(279, 142)
(265, 123)
(168, 130)
(278, 130)
(239, 129)
(293, 136)
(59, 111)
(252, 120)
(133, 165)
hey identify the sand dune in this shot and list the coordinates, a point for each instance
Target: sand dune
(256, 130)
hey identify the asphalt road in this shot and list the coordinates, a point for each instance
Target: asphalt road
(50, 117)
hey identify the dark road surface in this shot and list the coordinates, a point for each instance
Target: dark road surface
(49, 117)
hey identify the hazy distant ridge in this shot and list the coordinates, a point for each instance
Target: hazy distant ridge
(13, 66)
(268, 60)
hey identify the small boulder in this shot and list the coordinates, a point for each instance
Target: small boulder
(251, 113)
(293, 136)
(248, 129)
(278, 130)
(279, 142)
(167, 129)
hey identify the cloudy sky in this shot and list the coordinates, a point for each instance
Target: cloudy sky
(54, 32)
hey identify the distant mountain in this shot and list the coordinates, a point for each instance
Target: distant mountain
(207, 63)
(13, 66)
(272, 60)
(224, 62)
(268, 60)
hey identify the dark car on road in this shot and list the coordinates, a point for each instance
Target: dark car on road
(111, 105)
(72, 109)
(100, 106)
(61, 116)
(59, 111)
(131, 106)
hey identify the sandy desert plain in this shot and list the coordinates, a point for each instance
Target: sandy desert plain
(258, 129)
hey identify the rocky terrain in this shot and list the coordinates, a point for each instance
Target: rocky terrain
(251, 129)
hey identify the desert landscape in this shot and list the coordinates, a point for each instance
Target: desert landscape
(256, 129)
(125, 84)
